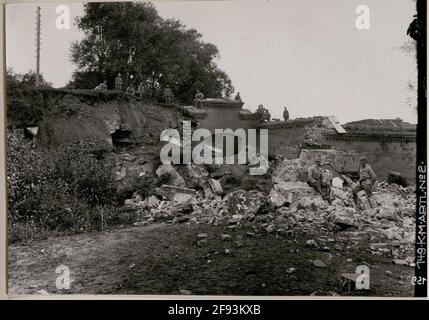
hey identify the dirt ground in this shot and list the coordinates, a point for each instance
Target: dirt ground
(165, 259)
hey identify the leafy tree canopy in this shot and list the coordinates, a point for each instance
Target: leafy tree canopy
(25, 79)
(132, 39)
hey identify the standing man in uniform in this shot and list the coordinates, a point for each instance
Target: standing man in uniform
(316, 180)
(118, 82)
(237, 97)
(140, 89)
(168, 95)
(285, 114)
(367, 178)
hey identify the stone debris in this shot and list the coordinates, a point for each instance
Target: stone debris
(311, 243)
(225, 237)
(290, 270)
(173, 193)
(319, 263)
(170, 176)
(348, 281)
(289, 208)
(185, 292)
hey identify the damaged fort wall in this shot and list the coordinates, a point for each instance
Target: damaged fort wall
(223, 114)
(384, 154)
(288, 138)
(72, 116)
(389, 144)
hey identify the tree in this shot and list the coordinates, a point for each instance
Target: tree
(132, 39)
(25, 79)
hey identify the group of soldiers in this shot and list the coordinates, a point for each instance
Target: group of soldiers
(168, 93)
(321, 181)
(265, 116)
(118, 86)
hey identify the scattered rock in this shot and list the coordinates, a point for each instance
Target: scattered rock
(319, 263)
(290, 270)
(225, 237)
(169, 176)
(185, 292)
(311, 243)
(176, 193)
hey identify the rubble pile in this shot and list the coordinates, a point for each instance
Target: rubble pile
(315, 130)
(292, 207)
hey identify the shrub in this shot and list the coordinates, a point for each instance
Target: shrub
(64, 190)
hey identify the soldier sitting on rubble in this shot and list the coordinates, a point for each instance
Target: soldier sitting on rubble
(130, 91)
(317, 179)
(367, 178)
(198, 97)
(102, 86)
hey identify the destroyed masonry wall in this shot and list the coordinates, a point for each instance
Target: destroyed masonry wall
(390, 145)
(385, 154)
(224, 114)
(73, 116)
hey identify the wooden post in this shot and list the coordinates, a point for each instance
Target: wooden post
(38, 46)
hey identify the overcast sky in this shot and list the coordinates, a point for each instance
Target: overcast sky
(306, 55)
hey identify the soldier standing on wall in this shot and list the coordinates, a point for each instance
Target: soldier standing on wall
(168, 95)
(367, 178)
(285, 114)
(118, 82)
(237, 97)
(140, 89)
(316, 180)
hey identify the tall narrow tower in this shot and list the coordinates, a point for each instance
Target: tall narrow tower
(37, 46)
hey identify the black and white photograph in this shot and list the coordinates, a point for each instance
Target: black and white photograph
(216, 148)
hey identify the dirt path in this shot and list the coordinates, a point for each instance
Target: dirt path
(164, 259)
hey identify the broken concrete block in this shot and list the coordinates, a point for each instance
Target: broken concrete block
(343, 221)
(215, 186)
(290, 270)
(387, 212)
(202, 242)
(244, 203)
(31, 132)
(279, 197)
(171, 176)
(348, 281)
(311, 243)
(225, 237)
(175, 193)
(392, 234)
(339, 193)
(319, 263)
(337, 182)
(120, 174)
(129, 157)
(400, 261)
